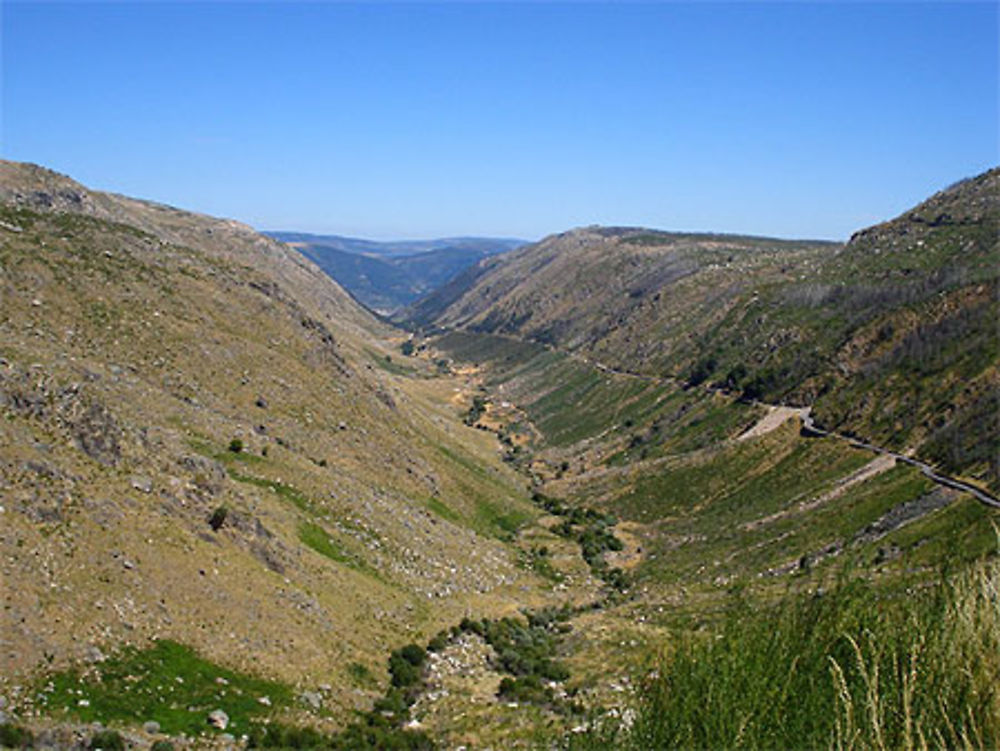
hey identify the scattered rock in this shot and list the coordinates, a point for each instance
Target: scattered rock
(152, 727)
(143, 483)
(218, 719)
(261, 402)
(312, 698)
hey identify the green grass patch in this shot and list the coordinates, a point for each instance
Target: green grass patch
(500, 522)
(287, 492)
(438, 507)
(167, 683)
(389, 364)
(858, 667)
(317, 538)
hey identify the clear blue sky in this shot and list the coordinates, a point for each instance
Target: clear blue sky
(420, 120)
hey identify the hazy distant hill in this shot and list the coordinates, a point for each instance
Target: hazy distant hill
(892, 335)
(386, 276)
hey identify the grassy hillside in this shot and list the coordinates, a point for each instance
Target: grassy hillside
(754, 554)
(891, 336)
(226, 487)
(206, 443)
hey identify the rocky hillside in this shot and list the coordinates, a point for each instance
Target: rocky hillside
(891, 336)
(204, 440)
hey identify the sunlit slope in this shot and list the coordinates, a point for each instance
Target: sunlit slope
(203, 440)
(892, 336)
(712, 490)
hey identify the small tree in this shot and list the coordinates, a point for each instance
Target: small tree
(218, 518)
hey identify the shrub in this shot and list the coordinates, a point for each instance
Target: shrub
(107, 740)
(218, 518)
(236, 445)
(438, 643)
(15, 736)
(405, 665)
(162, 745)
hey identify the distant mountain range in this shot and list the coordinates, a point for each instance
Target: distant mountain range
(386, 276)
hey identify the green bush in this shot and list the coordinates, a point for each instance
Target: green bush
(236, 445)
(107, 740)
(218, 518)
(15, 736)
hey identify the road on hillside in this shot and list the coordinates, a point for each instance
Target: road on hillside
(808, 425)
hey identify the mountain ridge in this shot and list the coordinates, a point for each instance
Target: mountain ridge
(796, 322)
(386, 276)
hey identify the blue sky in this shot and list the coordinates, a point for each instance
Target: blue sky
(514, 119)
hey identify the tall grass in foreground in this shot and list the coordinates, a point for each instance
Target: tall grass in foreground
(856, 668)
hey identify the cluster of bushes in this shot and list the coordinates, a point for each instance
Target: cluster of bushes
(476, 410)
(18, 737)
(15, 736)
(381, 728)
(526, 651)
(592, 530)
(538, 559)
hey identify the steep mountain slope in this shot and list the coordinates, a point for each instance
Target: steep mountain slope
(891, 336)
(386, 276)
(204, 441)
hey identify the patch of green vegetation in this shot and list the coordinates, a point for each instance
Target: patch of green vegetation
(860, 666)
(495, 511)
(436, 505)
(381, 728)
(389, 365)
(501, 522)
(317, 538)
(361, 675)
(234, 453)
(962, 531)
(538, 558)
(476, 410)
(166, 683)
(526, 651)
(287, 492)
(15, 736)
(372, 733)
(592, 530)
